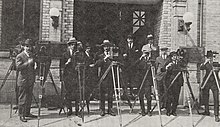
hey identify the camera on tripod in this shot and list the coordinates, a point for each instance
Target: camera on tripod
(114, 52)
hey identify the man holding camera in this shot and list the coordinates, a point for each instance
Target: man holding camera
(107, 85)
(209, 82)
(69, 74)
(143, 65)
(25, 65)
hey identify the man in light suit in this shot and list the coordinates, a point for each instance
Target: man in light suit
(26, 77)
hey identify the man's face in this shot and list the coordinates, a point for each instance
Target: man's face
(174, 57)
(27, 48)
(130, 40)
(150, 41)
(163, 52)
(71, 46)
(106, 48)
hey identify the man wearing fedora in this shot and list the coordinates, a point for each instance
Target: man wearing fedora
(210, 84)
(25, 65)
(69, 74)
(106, 86)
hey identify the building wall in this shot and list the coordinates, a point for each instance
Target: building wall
(65, 29)
(212, 27)
(0, 19)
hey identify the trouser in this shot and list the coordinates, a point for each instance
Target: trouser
(145, 91)
(205, 91)
(161, 90)
(103, 92)
(173, 97)
(25, 99)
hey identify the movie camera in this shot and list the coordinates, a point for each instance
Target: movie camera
(114, 52)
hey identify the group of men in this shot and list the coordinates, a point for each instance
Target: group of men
(136, 69)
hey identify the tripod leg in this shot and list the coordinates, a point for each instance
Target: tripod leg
(216, 80)
(171, 84)
(195, 103)
(54, 85)
(119, 96)
(190, 109)
(156, 94)
(6, 76)
(139, 91)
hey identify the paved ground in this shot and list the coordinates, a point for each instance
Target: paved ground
(50, 118)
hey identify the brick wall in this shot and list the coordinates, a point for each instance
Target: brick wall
(158, 22)
(66, 21)
(0, 19)
(211, 26)
(165, 26)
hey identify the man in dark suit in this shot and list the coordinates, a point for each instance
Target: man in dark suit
(173, 67)
(160, 74)
(130, 52)
(67, 66)
(25, 65)
(107, 85)
(210, 84)
(143, 65)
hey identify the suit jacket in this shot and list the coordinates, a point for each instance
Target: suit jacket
(132, 54)
(26, 71)
(160, 63)
(208, 67)
(68, 69)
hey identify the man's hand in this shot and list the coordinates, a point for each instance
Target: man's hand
(91, 65)
(107, 56)
(68, 61)
(125, 55)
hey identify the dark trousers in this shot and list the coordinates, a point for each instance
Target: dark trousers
(103, 92)
(25, 99)
(173, 97)
(205, 91)
(145, 91)
(72, 92)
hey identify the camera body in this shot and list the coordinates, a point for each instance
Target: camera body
(114, 52)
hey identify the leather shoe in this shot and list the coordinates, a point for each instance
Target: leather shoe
(69, 113)
(22, 118)
(102, 113)
(112, 113)
(173, 113)
(168, 114)
(143, 113)
(31, 115)
(149, 113)
(217, 119)
(205, 113)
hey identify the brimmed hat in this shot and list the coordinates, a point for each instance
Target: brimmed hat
(209, 53)
(72, 40)
(150, 36)
(173, 53)
(163, 49)
(27, 42)
(106, 43)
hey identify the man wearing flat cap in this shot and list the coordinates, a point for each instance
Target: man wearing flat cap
(106, 86)
(69, 75)
(160, 74)
(25, 65)
(209, 82)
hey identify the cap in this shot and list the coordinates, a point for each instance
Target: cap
(72, 40)
(106, 43)
(27, 42)
(150, 36)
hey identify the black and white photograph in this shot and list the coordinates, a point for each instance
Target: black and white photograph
(109, 63)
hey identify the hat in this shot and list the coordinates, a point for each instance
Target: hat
(146, 48)
(26, 42)
(173, 54)
(72, 40)
(106, 43)
(130, 36)
(87, 45)
(209, 53)
(163, 49)
(150, 36)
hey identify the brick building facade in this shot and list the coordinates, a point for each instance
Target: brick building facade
(205, 29)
